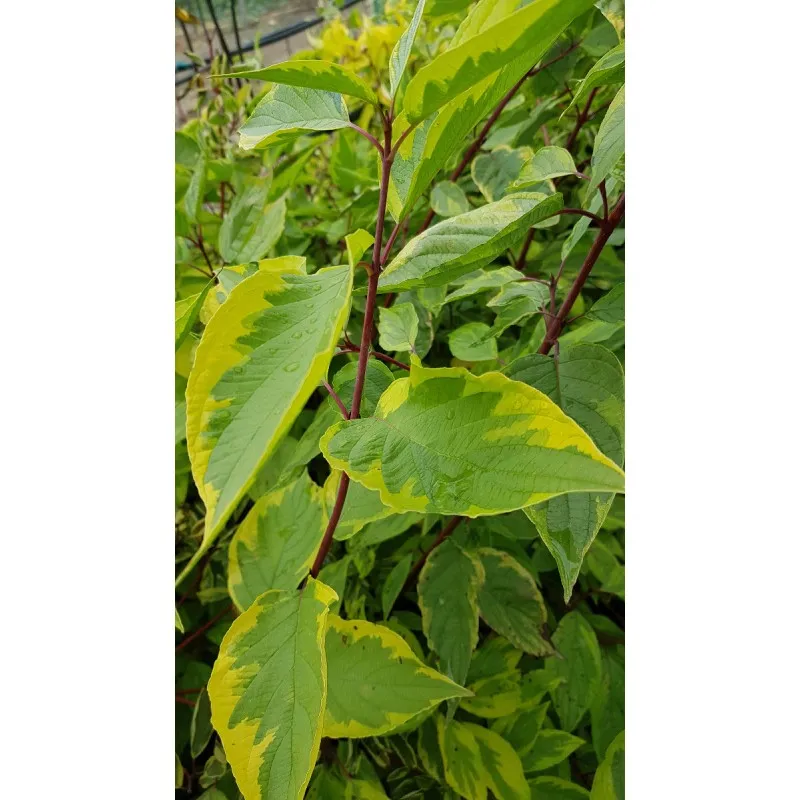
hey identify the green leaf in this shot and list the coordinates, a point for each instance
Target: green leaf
(275, 545)
(608, 708)
(521, 730)
(448, 199)
(398, 326)
(287, 109)
(445, 441)
(268, 690)
(178, 772)
(200, 730)
(361, 506)
(448, 591)
(187, 312)
(193, 199)
(493, 173)
(179, 622)
(495, 697)
(550, 748)
(588, 383)
(473, 342)
(610, 307)
(483, 281)
(609, 144)
(466, 242)
(377, 379)
(402, 50)
(261, 356)
(375, 682)
(580, 667)
(517, 302)
(357, 244)
(334, 574)
(547, 163)
(609, 780)
(529, 31)
(609, 69)
(501, 765)
(320, 75)
(614, 12)
(511, 603)
(251, 226)
(548, 787)
(393, 585)
(461, 756)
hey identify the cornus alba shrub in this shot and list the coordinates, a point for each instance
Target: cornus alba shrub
(399, 411)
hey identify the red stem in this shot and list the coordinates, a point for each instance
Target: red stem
(201, 630)
(366, 338)
(557, 323)
(336, 399)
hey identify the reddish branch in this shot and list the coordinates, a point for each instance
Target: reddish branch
(443, 534)
(386, 154)
(336, 399)
(201, 630)
(556, 324)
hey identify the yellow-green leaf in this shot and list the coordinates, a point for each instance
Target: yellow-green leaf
(473, 342)
(251, 226)
(609, 780)
(448, 199)
(462, 759)
(510, 602)
(287, 110)
(402, 50)
(466, 242)
(551, 747)
(609, 68)
(588, 384)
(548, 787)
(375, 682)
(529, 31)
(275, 545)
(449, 442)
(398, 326)
(357, 244)
(361, 506)
(502, 768)
(546, 163)
(313, 74)
(493, 173)
(261, 356)
(268, 690)
(609, 144)
(448, 599)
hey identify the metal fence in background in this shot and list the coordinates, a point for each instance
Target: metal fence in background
(207, 28)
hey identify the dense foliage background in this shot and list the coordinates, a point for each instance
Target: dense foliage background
(545, 663)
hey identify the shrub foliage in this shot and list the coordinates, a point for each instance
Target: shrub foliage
(399, 338)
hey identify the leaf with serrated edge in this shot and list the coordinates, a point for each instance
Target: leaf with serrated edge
(448, 592)
(466, 242)
(268, 690)
(375, 682)
(510, 602)
(312, 74)
(275, 545)
(449, 442)
(285, 109)
(261, 356)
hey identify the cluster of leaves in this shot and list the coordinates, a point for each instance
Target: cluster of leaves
(399, 336)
